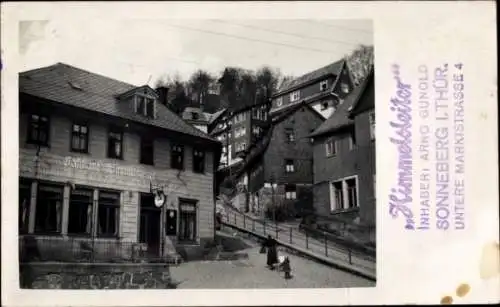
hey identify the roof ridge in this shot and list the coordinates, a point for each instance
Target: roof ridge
(61, 64)
(284, 89)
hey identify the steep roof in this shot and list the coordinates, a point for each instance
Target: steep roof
(340, 118)
(73, 86)
(362, 105)
(331, 69)
(214, 116)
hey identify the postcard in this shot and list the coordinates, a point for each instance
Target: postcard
(249, 153)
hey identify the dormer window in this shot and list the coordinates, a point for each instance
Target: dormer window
(295, 96)
(344, 87)
(145, 106)
(323, 85)
(194, 115)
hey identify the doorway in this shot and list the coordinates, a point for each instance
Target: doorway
(150, 229)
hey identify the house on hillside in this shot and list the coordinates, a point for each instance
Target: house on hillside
(93, 154)
(197, 118)
(323, 89)
(282, 170)
(344, 158)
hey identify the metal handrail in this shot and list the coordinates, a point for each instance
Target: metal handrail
(318, 243)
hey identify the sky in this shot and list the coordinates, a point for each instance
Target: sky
(142, 51)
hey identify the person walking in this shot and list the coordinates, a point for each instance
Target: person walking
(272, 253)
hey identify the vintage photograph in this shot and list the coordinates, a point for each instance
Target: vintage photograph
(197, 154)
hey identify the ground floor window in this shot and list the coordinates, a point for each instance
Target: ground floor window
(84, 215)
(80, 212)
(24, 205)
(290, 192)
(187, 221)
(344, 193)
(48, 214)
(108, 213)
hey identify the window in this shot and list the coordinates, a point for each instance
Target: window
(187, 221)
(338, 196)
(323, 85)
(352, 141)
(290, 192)
(80, 138)
(80, 212)
(24, 205)
(38, 130)
(331, 147)
(372, 125)
(289, 166)
(194, 116)
(198, 161)
(48, 209)
(295, 96)
(108, 214)
(239, 132)
(344, 87)
(344, 194)
(289, 135)
(115, 143)
(241, 147)
(352, 195)
(177, 157)
(145, 106)
(141, 105)
(147, 151)
(324, 105)
(150, 107)
(279, 101)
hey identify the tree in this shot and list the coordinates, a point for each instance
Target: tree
(267, 81)
(360, 62)
(229, 85)
(177, 93)
(199, 84)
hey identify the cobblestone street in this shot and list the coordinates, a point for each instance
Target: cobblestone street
(252, 273)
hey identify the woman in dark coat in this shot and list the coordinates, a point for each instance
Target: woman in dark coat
(272, 253)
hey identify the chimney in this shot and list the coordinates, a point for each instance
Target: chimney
(163, 93)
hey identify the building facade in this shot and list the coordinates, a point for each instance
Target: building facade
(344, 159)
(282, 173)
(93, 153)
(323, 89)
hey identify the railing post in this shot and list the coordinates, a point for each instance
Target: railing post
(326, 244)
(264, 223)
(307, 241)
(276, 225)
(235, 219)
(227, 217)
(350, 256)
(291, 235)
(253, 225)
(244, 222)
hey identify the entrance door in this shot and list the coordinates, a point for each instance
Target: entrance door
(150, 231)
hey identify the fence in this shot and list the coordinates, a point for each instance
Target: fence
(317, 242)
(78, 250)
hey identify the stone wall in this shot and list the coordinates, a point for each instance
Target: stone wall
(95, 276)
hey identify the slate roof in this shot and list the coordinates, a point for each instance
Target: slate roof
(202, 116)
(340, 118)
(331, 69)
(73, 86)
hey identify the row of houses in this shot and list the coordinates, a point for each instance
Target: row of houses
(310, 148)
(108, 161)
